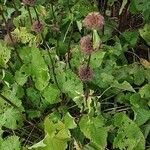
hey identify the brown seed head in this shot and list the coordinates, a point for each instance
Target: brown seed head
(86, 44)
(85, 73)
(93, 20)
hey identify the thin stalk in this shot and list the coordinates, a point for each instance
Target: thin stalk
(104, 14)
(53, 13)
(11, 69)
(8, 101)
(87, 91)
(30, 16)
(15, 5)
(88, 63)
(53, 68)
(10, 36)
(36, 14)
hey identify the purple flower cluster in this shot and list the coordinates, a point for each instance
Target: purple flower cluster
(38, 27)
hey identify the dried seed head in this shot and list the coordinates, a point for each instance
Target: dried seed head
(86, 44)
(85, 73)
(10, 40)
(94, 20)
(38, 27)
(29, 2)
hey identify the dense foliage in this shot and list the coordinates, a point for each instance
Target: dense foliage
(75, 74)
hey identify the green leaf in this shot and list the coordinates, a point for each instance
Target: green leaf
(96, 40)
(21, 75)
(38, 146)
(11, 143)
(93, 128)
(123, 86)
(11, 118)
(70, 83)
(130, 38)
(39, 71)
(141, 115)
(25, 36)
(51, 94)
(144, 91)
(79, 25)
(145, 33)
(97, 58)
(128, 135)
(4, 54)
(69, 121)
(56, 136)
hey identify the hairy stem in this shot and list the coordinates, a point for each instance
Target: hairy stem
(37, 15)
(11, 38)
(53, 68)
(30, 16)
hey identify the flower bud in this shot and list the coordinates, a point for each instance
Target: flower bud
(93, 20)
(38, 27)
(85, 73)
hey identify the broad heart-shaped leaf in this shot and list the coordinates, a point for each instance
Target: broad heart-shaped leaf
(141, 115)
(145, 33)
(11, 118)
(123, 86)
(97, 58)
(140, 108)
(69, 121)
(93, 128)
(69, 83)
(139, 5)
(39, 70)
(51, 94)
(21, 75)
(130, 38)
(56, 137)
(145, 91)
(4, 54)
(11, 143)
(128, 135)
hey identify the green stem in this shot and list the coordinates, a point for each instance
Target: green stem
(8, 101)
(30, 16)
(53, 68)
(11, 38)
(36, 14)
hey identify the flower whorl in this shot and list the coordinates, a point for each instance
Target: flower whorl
(38, 27)
(86, 44)
(93, 20)
(85, 73)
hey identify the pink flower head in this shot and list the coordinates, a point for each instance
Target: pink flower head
(86, 44)
(29, 2)
(85, 73)
(93, 20)
(38, 27)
